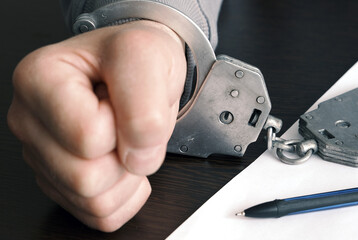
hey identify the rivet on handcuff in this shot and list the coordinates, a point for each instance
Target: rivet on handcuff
(230, 103)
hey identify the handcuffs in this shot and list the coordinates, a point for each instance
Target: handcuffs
(230, 104)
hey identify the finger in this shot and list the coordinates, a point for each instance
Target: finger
(104, 204)
(141, 64)
(84, 177)
(109, 223)
(55, 83)
(152, 155)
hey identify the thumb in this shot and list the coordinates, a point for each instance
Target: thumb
(144, 69)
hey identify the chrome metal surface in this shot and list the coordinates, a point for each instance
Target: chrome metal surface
(230, 103)
(302, 150)
(240, 214)
(280, 143)
(334, 125)
(202, 129)
(273, 125)
(303, 147)
(273, 122)
(271, 135)
(293, 161)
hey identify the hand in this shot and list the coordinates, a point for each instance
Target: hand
(95, 113)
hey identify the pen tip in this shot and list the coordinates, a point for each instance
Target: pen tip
(240, 214)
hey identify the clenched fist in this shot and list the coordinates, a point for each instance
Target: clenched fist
(95, 113)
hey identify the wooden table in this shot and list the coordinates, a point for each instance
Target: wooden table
(302, 48)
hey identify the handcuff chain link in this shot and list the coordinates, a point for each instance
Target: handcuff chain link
(302, 148)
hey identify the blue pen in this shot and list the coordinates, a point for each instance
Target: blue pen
(303, 204)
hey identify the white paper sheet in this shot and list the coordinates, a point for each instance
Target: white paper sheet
(267, 179)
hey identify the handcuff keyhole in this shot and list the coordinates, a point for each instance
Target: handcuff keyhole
(254, 117)
(226, 117)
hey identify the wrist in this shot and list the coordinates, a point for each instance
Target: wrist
(152, 25)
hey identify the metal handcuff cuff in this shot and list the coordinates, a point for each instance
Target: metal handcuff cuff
(230, 103)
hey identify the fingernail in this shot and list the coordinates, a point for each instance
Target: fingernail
(144, 161)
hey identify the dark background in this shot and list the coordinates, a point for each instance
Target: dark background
(302, 48)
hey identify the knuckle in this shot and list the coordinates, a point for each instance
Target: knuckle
(33, 65)
(121, 215)
(84, 142)
(90, 142)
(28, 159)
(146, 124)
(100, 207)
(13, 122)
(108, 225)
(136, 40)
(84, 182)
(20, 75)
(133, 36)
(150, 128)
